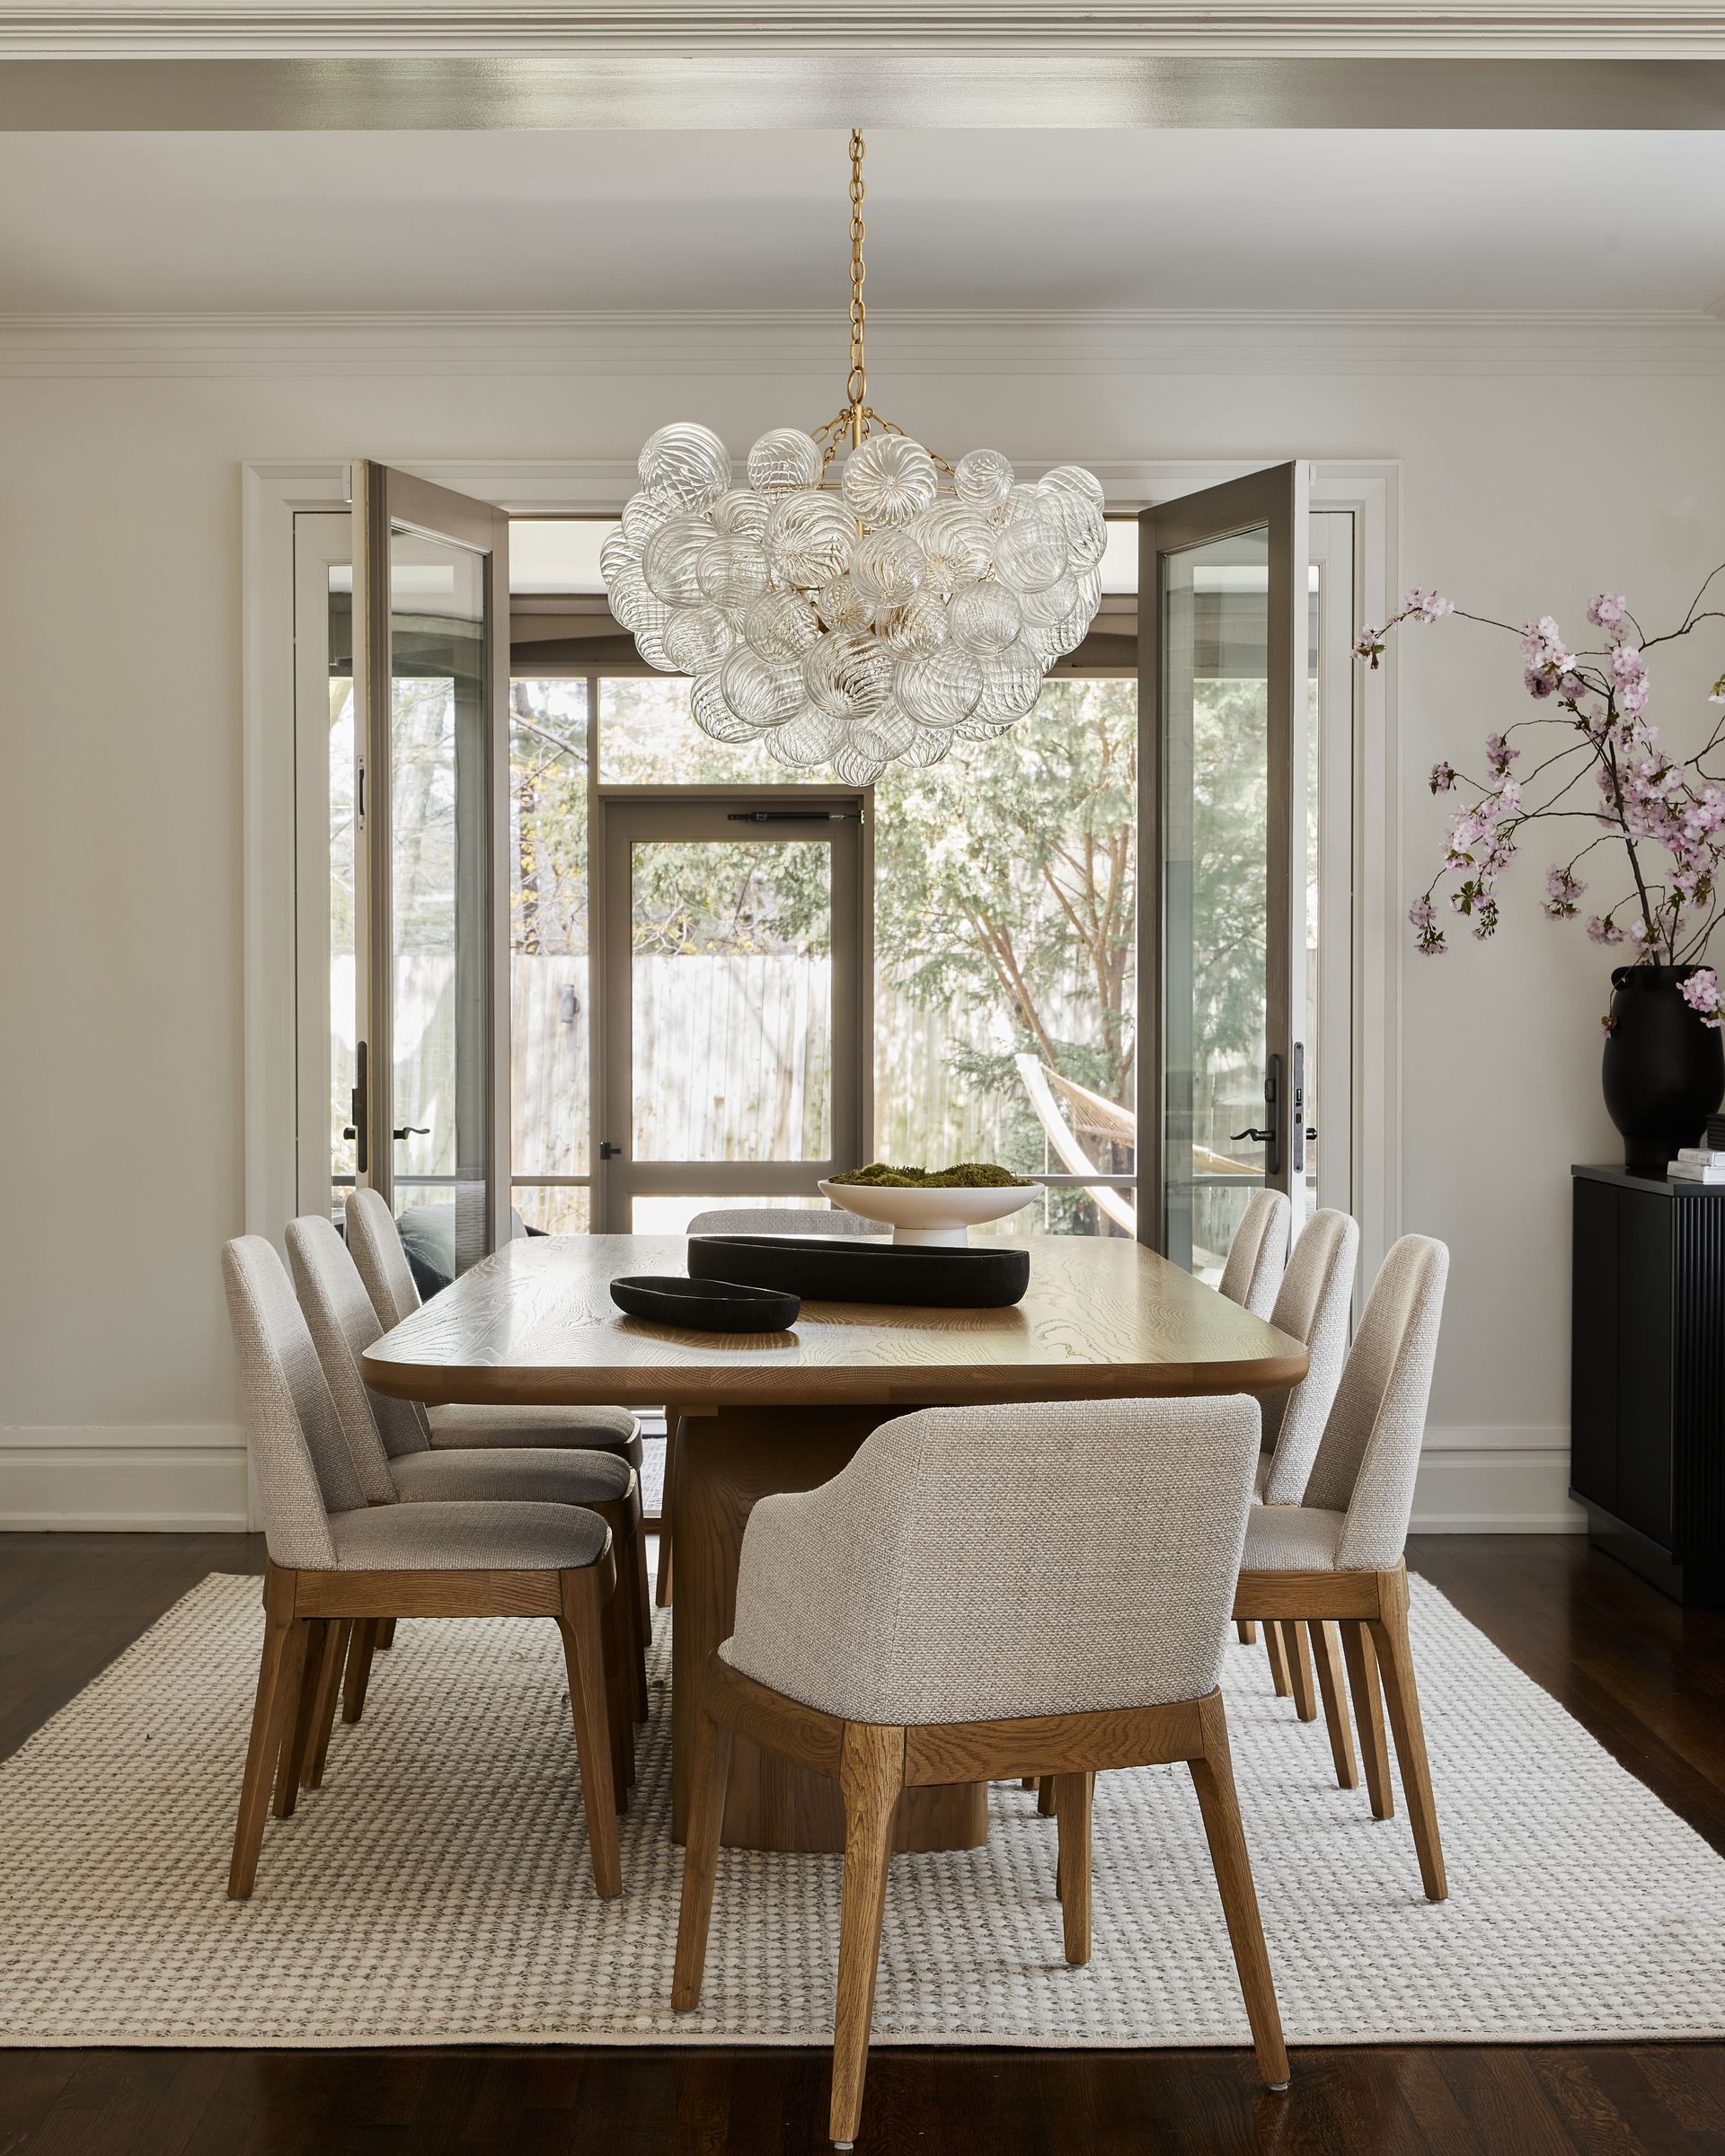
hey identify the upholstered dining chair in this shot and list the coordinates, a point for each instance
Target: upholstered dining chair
(1335, 1560)
(985, 1593)
(394, 1464)
(1252, 1270)
(335, 1561)
(1312, 1304)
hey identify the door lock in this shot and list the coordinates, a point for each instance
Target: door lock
(608, 1152)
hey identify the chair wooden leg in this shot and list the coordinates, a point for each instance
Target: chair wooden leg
(617, 1635)
(329, 1697)
(871, 1772)
(1299, 1670)
(581, 1625)
(711, 1778)
(278, 1671)
(385, 1634)
(1246, 1628)
(662, 1591)
(1045, 1796)
(1028, 1781)
(1326, 1648)
(1213, 1777)
(300, 1731)
(633, 1558)
(1368, 1717)
(1402, 1696)
(1276, 1648)
(1073, 1798)
(360, 1650)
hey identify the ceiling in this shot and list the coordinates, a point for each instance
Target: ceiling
(1043, 220)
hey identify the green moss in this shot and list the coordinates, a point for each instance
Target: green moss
(967, 1175)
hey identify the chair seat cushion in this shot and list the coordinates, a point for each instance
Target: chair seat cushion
(1291, 1538)
(593, 1429)
(477, 1536)
(536, 1476)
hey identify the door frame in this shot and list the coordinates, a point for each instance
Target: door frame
(610, 1085)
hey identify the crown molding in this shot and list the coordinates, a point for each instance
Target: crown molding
(1542, 30)
(798, 347)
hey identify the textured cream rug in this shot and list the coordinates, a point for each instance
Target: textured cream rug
(436, 1889)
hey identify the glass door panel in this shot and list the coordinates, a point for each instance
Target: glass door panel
(734, 989)
(434, 564)
(1224, 682)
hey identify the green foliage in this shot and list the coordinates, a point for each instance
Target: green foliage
(967, 1175)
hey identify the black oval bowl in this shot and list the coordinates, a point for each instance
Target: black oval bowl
(843, 1268)
(705, 1305)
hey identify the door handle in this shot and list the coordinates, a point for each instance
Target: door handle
(608, 1152)
(1258, 1138)
(413, 1130)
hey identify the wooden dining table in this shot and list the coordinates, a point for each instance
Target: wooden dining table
(756, 1413)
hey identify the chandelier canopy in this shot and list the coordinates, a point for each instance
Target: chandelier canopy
(859, 621)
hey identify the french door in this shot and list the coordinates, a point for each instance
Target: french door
(733, 1053)
(1224, 685)
(429, 1118)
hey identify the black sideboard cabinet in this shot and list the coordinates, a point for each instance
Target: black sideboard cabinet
(1646, 1403)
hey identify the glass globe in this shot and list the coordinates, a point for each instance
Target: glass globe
(731, 574)
(983, 480)
(978, 728)
(919, 625)
(741, 513)
(1052, 604)
(759, 691)
(929, 746)
(649, 638)
(1030, 554)
(617, 554)
(780, 625)
(626, 588)
(1021, 502)
(841, 605)
(697, 637)
(784, 457)
(959, 545)
(1011, 685)
(713, 715)
(854, 768)
(887, 567)
(1076, 497)
(814, 738)
(643, 514)
(889, 479)
(939, 688)
(809, 540)
(672, 559)
(685, 465)
(983, 617)
(847, 674)
(885, 733)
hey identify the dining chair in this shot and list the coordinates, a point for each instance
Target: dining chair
(394, 1464)
(1253, 1270)
(1312, 1304)
(1335, 1561)
(375, 1243)
(983, 1593)
(334, 1562)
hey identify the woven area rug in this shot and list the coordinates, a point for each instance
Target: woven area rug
(436, 1889)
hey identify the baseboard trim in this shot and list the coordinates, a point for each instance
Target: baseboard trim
(141, 1478)
(1496, 1479)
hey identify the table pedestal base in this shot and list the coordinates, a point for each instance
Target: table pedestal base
(723, 1465)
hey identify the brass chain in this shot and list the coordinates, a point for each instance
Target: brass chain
(857, 389)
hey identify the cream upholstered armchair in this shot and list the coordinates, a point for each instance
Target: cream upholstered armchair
(980, 1594)
(1252, 1270)
(1333, 1563)
(335, 1561)
(394, 1463)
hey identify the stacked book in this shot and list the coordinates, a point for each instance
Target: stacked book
(1716, 1132)
(1698, 1163)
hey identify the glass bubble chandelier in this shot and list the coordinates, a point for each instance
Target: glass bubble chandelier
(862, 620)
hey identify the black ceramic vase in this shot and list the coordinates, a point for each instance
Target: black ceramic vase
(1664, 1071)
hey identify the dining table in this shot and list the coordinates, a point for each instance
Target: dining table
(752, 1414)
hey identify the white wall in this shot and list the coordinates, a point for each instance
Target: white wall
(1538, 466)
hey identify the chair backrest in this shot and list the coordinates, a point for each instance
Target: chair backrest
(789, 1220)
(1257, 1253)
(1369, 1453)
(375, 1243)
(301, 1458)
(343, 1325)
(970, 1563)
(1311, 1304)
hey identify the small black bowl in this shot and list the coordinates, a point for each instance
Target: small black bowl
(705, 1305)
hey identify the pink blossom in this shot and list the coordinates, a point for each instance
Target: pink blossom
(1562, 889)
(1429, 937)
(1426, 605)
(1499, 755)
(1604, 931)
(1608, 1026)
(1607, 610)
(1718, 695)
(1443, 777)
(1701, 993)
(1369, 644)
(1626, 663)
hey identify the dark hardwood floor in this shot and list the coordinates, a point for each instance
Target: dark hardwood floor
(1646, 1677)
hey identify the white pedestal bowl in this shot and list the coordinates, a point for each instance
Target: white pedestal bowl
(942, 1218)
